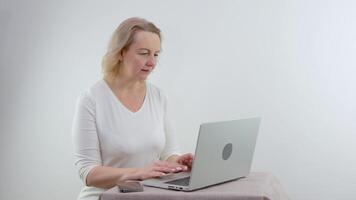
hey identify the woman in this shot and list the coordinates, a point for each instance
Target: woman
(121, 128)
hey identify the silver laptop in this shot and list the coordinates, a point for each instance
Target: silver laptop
(224, 152)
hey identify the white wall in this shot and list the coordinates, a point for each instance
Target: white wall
(291, 62)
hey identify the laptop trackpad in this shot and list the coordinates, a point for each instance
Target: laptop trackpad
(181, 181)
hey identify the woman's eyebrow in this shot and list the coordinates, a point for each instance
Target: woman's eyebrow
(145, 49)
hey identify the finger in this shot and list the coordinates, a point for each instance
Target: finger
(187, 156)
(152, 174)
(155, 174)
(190, 160)
(186, 162)
(164, 164)
(165, 169)
(172, 166)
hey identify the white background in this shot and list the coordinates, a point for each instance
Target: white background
(290, 62)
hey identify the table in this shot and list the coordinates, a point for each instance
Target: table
(256, 186)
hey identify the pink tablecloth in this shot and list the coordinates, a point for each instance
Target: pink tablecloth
(256, 186)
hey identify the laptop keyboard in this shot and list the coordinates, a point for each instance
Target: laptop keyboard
(182, 181)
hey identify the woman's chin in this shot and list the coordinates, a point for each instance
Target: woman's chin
(144, 75)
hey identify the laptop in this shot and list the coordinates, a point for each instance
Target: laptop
(224, 152)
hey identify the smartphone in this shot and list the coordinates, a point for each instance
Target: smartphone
(131, 186)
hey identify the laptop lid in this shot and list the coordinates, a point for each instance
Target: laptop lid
(224, 151)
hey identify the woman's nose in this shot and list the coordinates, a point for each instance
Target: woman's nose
(151, 61)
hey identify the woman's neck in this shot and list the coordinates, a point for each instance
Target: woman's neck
(126, 85)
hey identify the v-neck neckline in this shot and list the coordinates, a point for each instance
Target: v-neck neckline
(121, 104)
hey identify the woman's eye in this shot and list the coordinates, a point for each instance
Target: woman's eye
(143, 53)
(156, 55)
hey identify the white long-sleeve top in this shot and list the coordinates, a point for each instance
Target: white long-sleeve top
(106, 133)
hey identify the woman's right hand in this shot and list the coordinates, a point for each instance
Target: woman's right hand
(155, 170)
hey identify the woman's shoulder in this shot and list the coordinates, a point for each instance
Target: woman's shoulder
(156, 92)
(97, 87)
(94, 91)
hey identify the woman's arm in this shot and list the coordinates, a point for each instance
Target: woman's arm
(108, 177)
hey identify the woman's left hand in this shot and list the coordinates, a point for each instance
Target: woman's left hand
(186, 159)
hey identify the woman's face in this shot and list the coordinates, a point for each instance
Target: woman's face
(139, 60)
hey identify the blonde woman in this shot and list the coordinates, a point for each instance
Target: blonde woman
(121, 128)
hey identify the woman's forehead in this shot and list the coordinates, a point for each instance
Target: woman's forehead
(146, 40)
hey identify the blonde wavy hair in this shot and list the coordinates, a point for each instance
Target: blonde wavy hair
(120, 41)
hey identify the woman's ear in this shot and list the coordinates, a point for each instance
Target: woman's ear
(120, 56)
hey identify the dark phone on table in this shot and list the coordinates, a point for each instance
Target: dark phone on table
(130, 186)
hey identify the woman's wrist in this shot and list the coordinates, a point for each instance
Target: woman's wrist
(131, 174)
